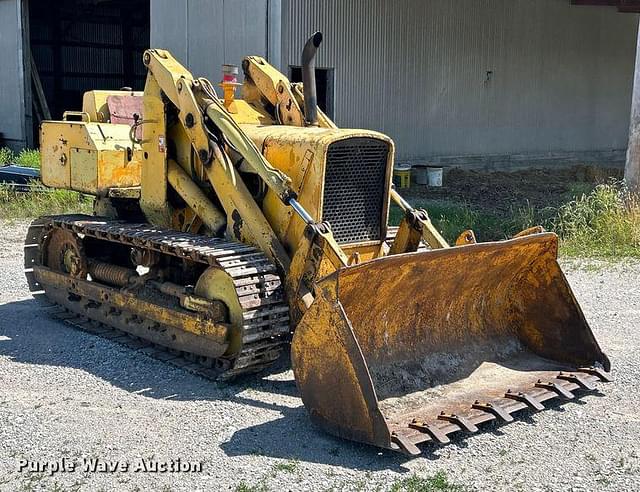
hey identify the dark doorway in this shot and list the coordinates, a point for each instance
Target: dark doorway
(82, 45)
(324, 85)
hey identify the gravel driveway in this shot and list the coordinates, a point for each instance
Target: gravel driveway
(67, 394)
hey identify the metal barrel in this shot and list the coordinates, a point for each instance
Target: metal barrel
(410, 348)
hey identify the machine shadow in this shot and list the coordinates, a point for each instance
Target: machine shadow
(28, 335)
(305, 442)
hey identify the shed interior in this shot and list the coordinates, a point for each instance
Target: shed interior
(81, 45)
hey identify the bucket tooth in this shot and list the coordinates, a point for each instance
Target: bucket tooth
(578, 379)
(556, 388)
(493, 409)
(432, 430)
(525, 398)
(405, 444)
(464, 423)
(598, 372)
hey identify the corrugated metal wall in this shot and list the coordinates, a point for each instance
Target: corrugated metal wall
(12, 111)
(460, 77)
(204, 34)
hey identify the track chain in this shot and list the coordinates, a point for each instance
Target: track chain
(257, 283)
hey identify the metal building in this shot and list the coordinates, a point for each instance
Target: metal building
(12, 83)
(475, 82)
(477, 77)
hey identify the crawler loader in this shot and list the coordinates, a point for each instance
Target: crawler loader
(225, 228)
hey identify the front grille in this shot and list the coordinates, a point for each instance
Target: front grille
(354, 189)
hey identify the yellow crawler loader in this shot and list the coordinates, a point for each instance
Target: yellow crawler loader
(226, 228)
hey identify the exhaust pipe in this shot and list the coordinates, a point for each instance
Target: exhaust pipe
(309, 79)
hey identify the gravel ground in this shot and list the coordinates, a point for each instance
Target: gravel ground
(67, 394)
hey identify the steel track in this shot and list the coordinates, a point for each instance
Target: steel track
(258, 286)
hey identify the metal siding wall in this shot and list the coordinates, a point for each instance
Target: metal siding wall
(12, 92)
(169, 26)
(204, 34)
(205, 39)
(274, 32)
(417, 70)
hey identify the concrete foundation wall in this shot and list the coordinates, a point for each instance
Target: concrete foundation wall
(475, 77)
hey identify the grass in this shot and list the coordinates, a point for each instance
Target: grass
(261, 486)
(287, 467)
(599, 222)
(451, 219)
(604, 223)
(6, 156)
(245, 487)
(437, 483)
(41, 201)
(26, 157)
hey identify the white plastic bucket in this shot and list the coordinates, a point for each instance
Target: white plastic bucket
(434, 176)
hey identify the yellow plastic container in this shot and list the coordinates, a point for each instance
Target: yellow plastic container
(402, 176)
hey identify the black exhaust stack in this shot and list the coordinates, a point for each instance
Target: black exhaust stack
(309, 79)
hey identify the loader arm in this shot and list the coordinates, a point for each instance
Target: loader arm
(209, 126)
(264, 83)
(195, 99)
(415, 226)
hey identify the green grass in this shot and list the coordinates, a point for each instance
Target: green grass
(287, 467)
(245, 487)
(601, 221)
(26, 157)
(451, 219)
(437, 483)
(604, 223)
(41, 201)
(6, 156)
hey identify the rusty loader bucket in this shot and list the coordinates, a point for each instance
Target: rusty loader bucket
(412, 348)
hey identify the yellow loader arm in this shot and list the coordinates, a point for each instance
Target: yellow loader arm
(205, 119)
(196, 99)
(262, 81)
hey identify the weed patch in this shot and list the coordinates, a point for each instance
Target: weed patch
(598, 221)
(41, 201)
(288, 467)
(6, 156)
(605, 223)
(245, 487)
(437, 483)
(26, 157)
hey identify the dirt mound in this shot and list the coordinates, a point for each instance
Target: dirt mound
(502, 191)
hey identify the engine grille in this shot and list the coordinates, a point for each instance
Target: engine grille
(354, 189)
